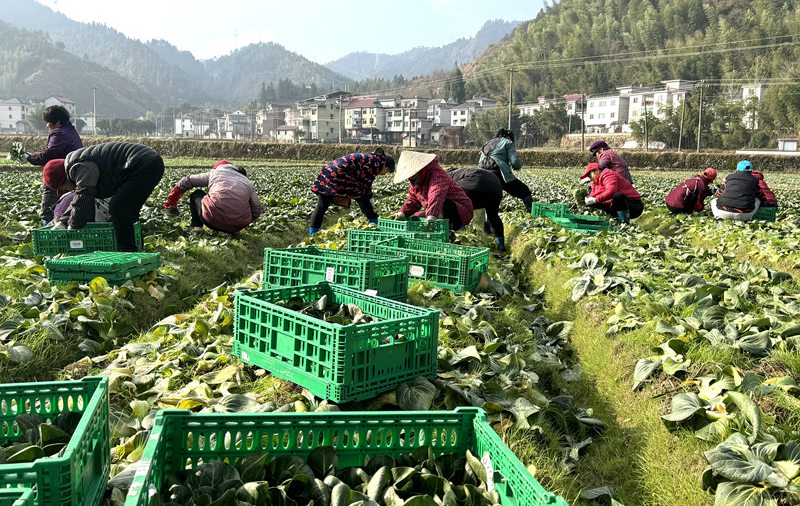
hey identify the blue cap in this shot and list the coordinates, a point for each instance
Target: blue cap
(744, 166)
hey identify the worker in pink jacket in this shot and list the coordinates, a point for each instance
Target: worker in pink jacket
(432, 193)
(230, 204)
(612, 193)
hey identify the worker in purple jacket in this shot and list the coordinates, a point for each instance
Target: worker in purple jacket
(62, 139)
(609, 159)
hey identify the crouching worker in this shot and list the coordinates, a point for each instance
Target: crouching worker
(485, 191)
(739, 197)
(432, 193)
(612, 193)
(124, 171)
(62, 208)
(346, 178)
(230, 204)
(689, 196)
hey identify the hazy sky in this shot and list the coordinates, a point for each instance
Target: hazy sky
(320, 30)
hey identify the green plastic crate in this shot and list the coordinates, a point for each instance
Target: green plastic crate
(81, 474)
(115, 267)
(544, 209)
(386, 276)
(337, 362)
(766, 214)
(438, 230)
(582, 223)
(181, 440)
(361, 240)
(93, 237)
(16, 497)
(452, 266)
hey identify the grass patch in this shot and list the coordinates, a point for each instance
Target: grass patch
(636, 455)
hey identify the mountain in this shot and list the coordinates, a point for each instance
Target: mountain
(422, 60)
(31, 67)
(158, 69)
(593, 46)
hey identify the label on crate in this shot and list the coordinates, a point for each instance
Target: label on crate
(416, 270)
(371, 292)
(76, 244)
(486, 460)
(245, 356)
(330, 273)
(143, 467)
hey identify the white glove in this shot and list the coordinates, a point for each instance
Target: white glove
(430, 218)
(586, 180)
(590, 201)
(399, 216)
(58, 225)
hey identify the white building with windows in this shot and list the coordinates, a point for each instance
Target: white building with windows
(607, 112)
(14, 116)
(752, 93)
(461, 113)
(657, 101)
(66, 103)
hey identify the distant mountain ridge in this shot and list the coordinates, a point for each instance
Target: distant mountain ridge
(422, 60)
(163, 74)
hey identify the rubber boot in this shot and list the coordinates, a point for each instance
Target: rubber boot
(312, 231)
(373, 222)
(528, 201)
(501, 243)
(487, 228)
(624, 217)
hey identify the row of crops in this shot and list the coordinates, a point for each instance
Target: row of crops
(702, 318)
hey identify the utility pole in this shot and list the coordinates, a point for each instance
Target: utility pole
(700, 117)
(583, 120)
(510, 93)
(646, 132)
(340, 120)
(680, 130)
(94, 110)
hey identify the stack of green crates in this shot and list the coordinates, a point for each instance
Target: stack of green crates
(115, 267)
(336, 362)
(452, 266)
(16, 497)
(582, 222)
(80, 475)
(93, 237)
(361, 240)
(380, 275)
(181, 440)
(436, 230)
(547, 210)
(766, 214)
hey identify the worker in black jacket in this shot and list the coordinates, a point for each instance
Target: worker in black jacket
(125, 171)
(740, 197)
(485, 190)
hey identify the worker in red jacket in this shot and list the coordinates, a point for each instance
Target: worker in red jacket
(612, 193)
(689, 196)
(432, 193)
(770, 200)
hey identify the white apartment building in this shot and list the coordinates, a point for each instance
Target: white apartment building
(234, 125)
(439, 111)
(364, 117)
(268, 120)
(605, 112)
(14, 116)
(68, 104)
(461, 113)
(322, 118)
(750, 92)
(658, 101)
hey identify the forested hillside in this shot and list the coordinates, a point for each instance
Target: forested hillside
(31, 67)
(594, 46)
(422, 60)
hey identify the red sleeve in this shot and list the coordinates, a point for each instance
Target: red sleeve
(606, 188)
(437, 193)
(412, 204)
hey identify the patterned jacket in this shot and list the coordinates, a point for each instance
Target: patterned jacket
(611, 160)
(430, 191)
(349, 176)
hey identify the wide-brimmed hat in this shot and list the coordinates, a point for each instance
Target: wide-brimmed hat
(410, 163)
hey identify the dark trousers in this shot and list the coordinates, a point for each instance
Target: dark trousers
(490, 202)
(196, 208)
(621, 202)
(676, 210)
(126, 204)
(324, 202)
(518, 189)
(450, 213)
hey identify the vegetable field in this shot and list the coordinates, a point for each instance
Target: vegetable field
(656, 364)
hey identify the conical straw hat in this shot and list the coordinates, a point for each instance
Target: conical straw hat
(410, 163)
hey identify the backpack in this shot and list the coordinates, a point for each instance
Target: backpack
(488, 162)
